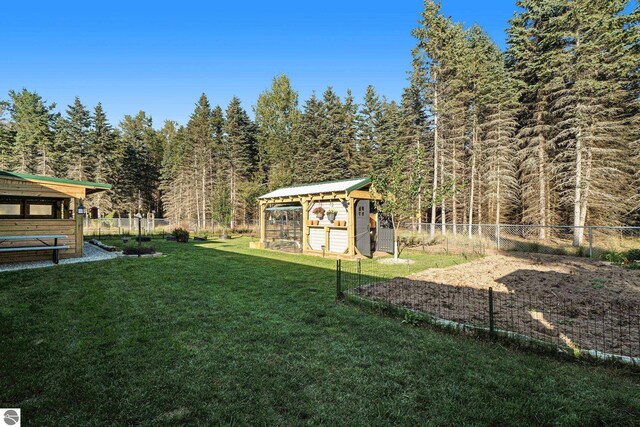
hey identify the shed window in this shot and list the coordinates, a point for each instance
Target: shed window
(10, 209)
(40, 210)
(13, 208)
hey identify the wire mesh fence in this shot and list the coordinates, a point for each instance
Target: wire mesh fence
(601, 329)
(590, 241)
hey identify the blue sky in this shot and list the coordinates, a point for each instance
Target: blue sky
(159, 57)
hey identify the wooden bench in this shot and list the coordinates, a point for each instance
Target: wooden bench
(55, 247)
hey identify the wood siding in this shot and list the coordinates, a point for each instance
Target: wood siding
(326, 205)
(338, 241)
(316, 238)
(28, 227)
(22, 188)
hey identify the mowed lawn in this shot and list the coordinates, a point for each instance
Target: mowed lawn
(217, 333)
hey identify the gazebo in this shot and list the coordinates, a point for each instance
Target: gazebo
(336, 217)
(35, 208)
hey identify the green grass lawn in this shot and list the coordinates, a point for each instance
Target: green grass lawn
(217, 333)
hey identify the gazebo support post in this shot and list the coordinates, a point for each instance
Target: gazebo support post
(351, 227)
(263, 222)
(305, 225)
(79, 229)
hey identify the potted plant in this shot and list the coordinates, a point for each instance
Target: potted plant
(331, 214)
(319, 212)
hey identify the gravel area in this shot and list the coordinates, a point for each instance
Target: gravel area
(90, 253)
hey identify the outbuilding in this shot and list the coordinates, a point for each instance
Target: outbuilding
(37, 210)
(336, 217)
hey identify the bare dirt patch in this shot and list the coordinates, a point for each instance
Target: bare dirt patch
(575, 302)
(542, 276)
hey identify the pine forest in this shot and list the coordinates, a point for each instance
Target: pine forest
(544, 132)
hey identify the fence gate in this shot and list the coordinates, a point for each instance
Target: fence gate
(384, 234)
(363, 229)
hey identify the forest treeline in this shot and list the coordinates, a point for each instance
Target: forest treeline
(546, 132)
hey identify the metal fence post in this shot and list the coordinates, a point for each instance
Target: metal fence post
(491, 320)
(359, 272)
(590, 242)
(338, 279)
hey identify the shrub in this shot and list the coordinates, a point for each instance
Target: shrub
(181, 235)
(633, 255)
(614, 257)
(243, 230)
(414, 240)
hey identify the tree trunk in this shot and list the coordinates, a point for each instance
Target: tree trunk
(435, 164)
(204, 199)
(443, 216)
(395, 237)
(542, 184)
(232, 196)
(577, 197)
(471, 190)
(454, 198)
(498, 197)
(197, 208)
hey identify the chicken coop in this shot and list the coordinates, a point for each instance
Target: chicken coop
(336, 217)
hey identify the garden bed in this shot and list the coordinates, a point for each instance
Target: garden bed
(573, 302)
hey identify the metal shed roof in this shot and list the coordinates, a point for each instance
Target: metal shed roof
(92, 187)
(342, 186)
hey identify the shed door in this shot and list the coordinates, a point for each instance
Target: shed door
(363, 236)
(384, 241)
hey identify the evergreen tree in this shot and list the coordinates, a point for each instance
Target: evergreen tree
(241, 145)
(574, 62)
(369, 142)
(456, 97)
(200, 131)
(105, 157)
(7, 138)
(277, 117)
(388, 134)
(429, 58)
(319, 152)
(349, 135)
(174, 182)
(497, 97)
(311, 136)
(530, 55)
(137, 187)
(31, 123)
(335, 136)
(217, 162)
(589, 107)
(76, 146)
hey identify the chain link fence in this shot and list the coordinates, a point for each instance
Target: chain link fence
(593, 241)
(107, 227)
